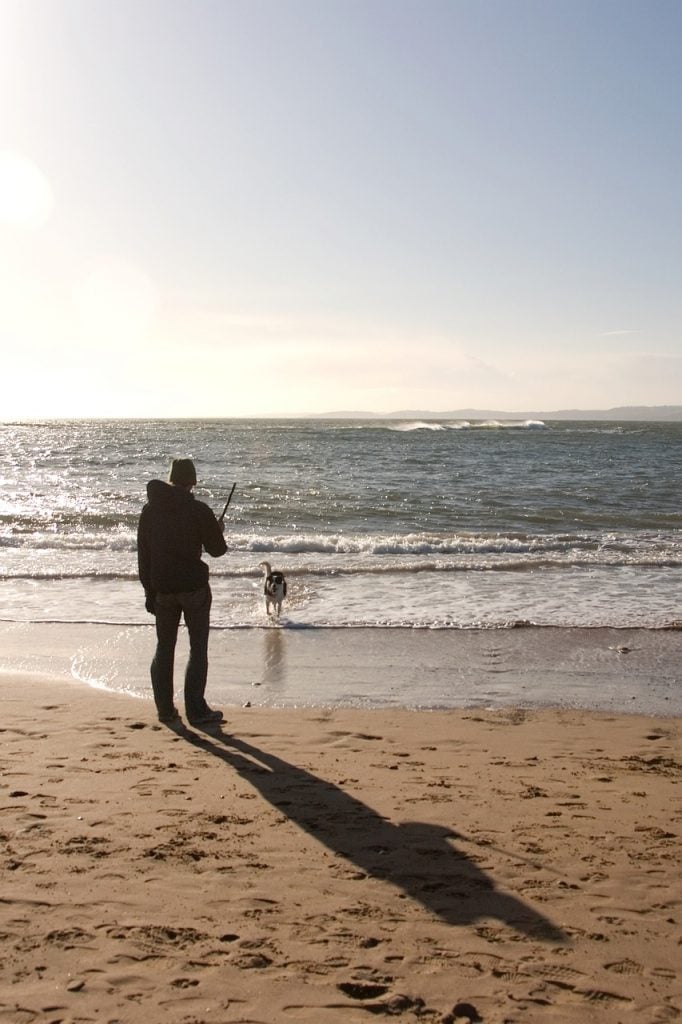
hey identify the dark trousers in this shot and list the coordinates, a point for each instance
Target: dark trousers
(195, 605)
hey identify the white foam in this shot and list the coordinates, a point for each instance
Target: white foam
(407, 427)
(436, 600)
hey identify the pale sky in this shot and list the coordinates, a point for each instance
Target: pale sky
(273, 207)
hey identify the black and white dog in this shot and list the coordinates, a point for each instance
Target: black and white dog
(274, 588)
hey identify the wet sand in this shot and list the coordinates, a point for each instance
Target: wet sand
(634, 670)
(335, 864)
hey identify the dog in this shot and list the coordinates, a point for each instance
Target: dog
(274, 588)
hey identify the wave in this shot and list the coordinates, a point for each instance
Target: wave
(104, 541)
(659, 547)
(570, 562)
(410, 425)
(406, 427)
(408, 544)
(312, 543)
(511, 425)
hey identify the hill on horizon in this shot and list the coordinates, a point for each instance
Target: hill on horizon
(636, 413)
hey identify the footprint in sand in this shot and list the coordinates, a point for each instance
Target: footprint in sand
(624, 967)
(362, 990)
(597, 995)
(70, 938)
(566, 977)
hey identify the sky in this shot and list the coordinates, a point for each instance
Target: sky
(290, 207)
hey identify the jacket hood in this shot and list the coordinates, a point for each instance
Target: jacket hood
(161, 494)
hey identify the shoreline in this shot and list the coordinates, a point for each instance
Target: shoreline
(596, 668)
(324, 865)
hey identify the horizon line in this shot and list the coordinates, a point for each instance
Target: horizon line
(621, 412)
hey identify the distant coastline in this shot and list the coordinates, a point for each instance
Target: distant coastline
(626, 413)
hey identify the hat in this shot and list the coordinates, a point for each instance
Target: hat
(182, 472)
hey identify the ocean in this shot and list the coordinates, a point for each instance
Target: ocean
(378, 524)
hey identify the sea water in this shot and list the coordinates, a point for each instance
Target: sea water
(432, 524)
(421, 527)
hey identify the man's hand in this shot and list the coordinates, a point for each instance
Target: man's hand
(150, 601)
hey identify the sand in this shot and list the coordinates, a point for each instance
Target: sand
(336, 865)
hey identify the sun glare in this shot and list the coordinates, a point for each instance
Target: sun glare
(25, 193)
(116, 301)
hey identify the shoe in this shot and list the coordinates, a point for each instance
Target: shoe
(170, 717)
(207, 717)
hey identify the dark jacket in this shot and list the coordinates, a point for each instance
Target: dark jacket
(172, 531)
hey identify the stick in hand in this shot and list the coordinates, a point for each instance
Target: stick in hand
(229, 499)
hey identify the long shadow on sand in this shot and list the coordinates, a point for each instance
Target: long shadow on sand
(418, 858)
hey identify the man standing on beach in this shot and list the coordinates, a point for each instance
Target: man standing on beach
(173, 530)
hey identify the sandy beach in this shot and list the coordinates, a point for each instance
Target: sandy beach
(337, 864)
